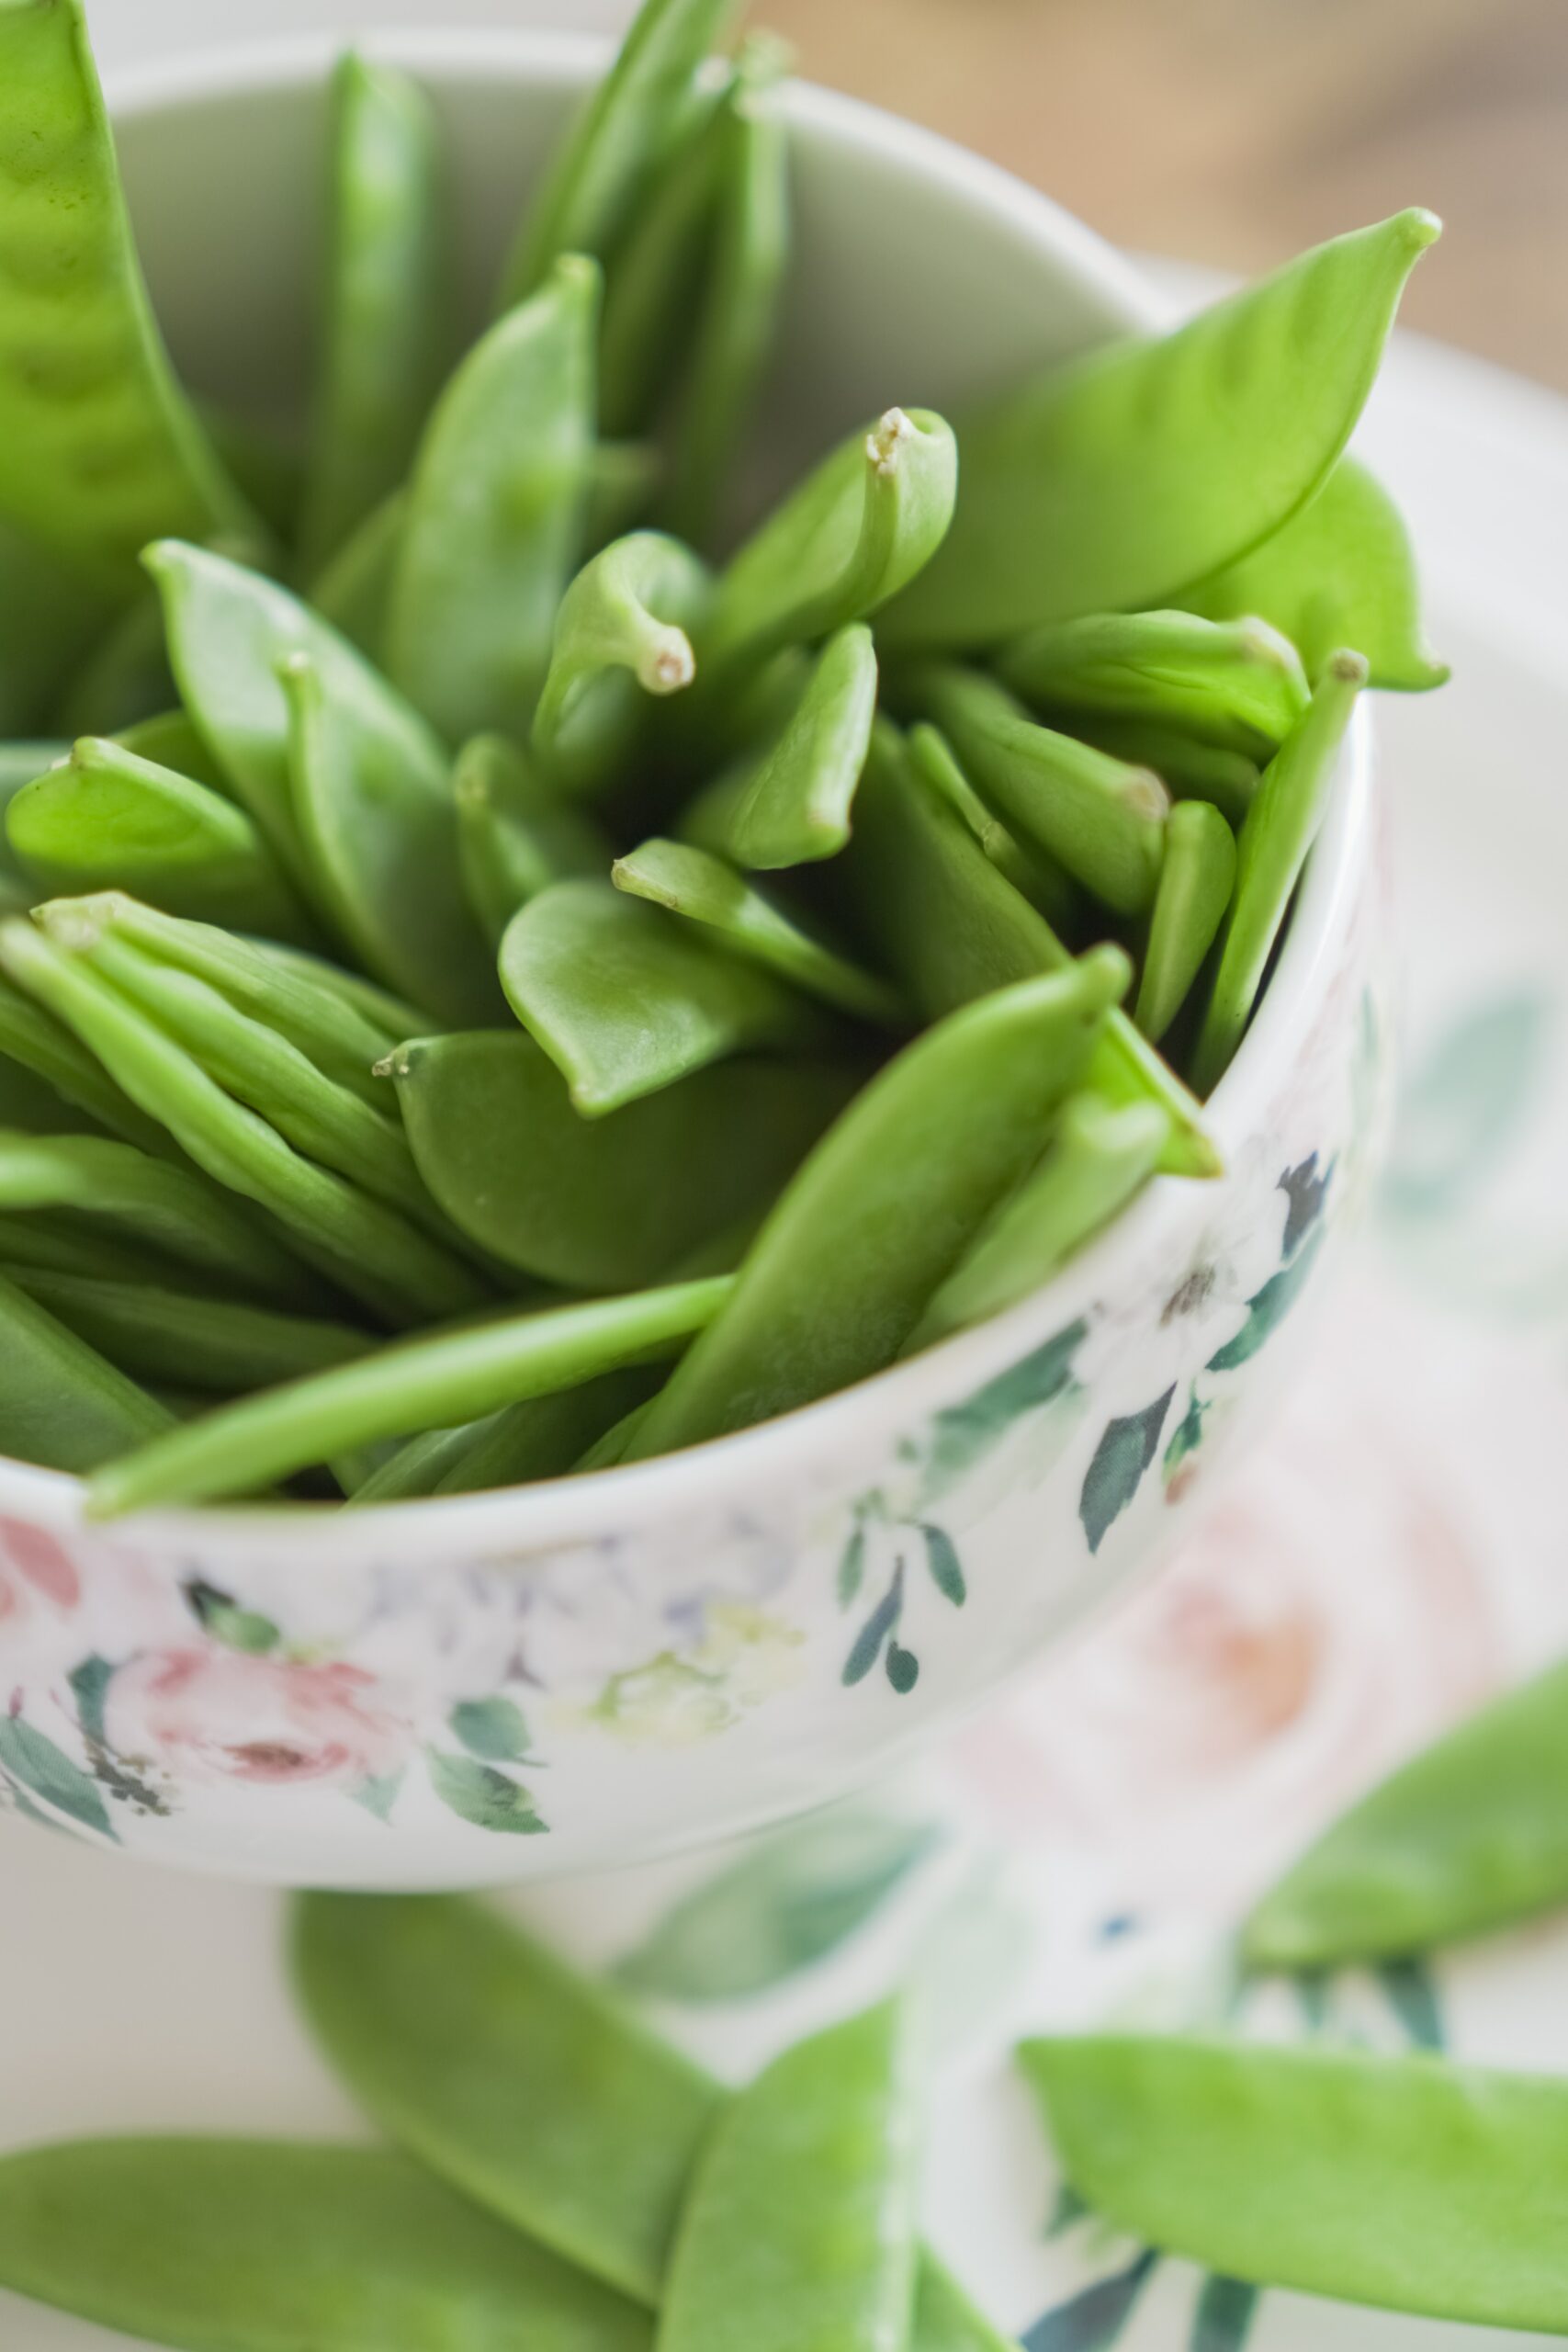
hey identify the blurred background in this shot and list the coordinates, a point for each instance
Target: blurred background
(1231, 133)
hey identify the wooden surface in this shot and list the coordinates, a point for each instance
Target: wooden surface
(1235, 131)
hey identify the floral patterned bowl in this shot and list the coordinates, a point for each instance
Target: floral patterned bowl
(589, 1673)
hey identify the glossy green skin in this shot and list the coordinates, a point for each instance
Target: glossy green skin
(496, 516)
(99, 449)
(1407, 2182)
(883, 1210)
(1470, 1835)
(1118, 480)
(229, 2246)
(33, 1243)
(188, 1340)
(62, 1406)
(169, 741)
(354, 589)
(801, 2224)
(1235, 682)
(384, 312)
(431, 1382)
(517, 834)
(1191, 769)
(1046, 884)
(32, 1040)
(546, 1438)
(626, 1000)
(620, 637)
(797, 805)
(653, 285)
(30, 1104)
(603, 1204)
(1195, 888)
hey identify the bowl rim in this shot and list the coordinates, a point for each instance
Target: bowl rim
(426, 1531)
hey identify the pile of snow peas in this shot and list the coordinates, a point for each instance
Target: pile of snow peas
(506, 970)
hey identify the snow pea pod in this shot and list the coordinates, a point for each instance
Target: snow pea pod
(620, 634)
(517, 834)
(1191, 769)
(802, 2215)
(434, 1382)
(383, 311)
(31, 1243)
(1194, 893)
(626, 1000)
(601, 1204)
(1117, 481)
(405, 1471)
(798, 801)
(1280, 828)
(34, 1041)
(30, 1104)
(1407, 2182)
(652, 286)
(192, 1341)
(355, 589)
(496, 514)
(547, 1437)
(235, 2245)
(63, 1405)
(1470, 1835)
(1050, 890)
(1234, 683)
(882, 1211)
(100, 451)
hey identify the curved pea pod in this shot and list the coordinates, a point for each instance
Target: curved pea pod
(880, 1214)
(517, 834)
(1101, 820)
(626, 1000)
(402, 1471)
(496, 514)
(620, 635)
(378, 827)
(30, 1104)
(268, 2246)
(105, 816)
(1280, 828)
(797, 803)
(1406, 2182)
(1467, 1836)
(1237, 682)
(1050, 891)
(1190, 768)
(1117, 481)
(854, 532)
(63, 1405)
(693, 883)
(1194, 894)
(384, 308)
(34, 1244)
(35, 1042)
(601, 1204)
(652, 283)
(100, 451)
(634, 121)
(435, 1382)
(1341, 571)
(608, 1452)
(547, 1437)
(353, 591)
(192, 1340)
(169, 741)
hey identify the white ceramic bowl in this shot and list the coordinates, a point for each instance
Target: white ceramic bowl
(597, 1672)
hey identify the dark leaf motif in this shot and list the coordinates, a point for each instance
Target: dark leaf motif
(1268, 1310)
(16, 1797)
(1222, 2321)
(1312, 1987)
(1186, 1438)
(480, 1794)
(1093, 2319)
(903, 1670)
(379, 1793)
(1460, 1117)
(220, 1617)
(946, 1567)
(45, 1771)
(493, 1729)
(883, 1621)
(1411, 1992)
(1068, 2211)
(1307, 1193)
(1120, 1459)
(90, 1683)
(964, 1434)
(852, 1569)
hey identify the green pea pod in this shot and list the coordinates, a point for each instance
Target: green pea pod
(1096, 1162)
(1118, 480)
(693, 883)
(798, 802)
(620, 636)
(626, 1000)
(384, 308)
(33, 1041)
(653, 282)
(33, 1244)
(106, 816)
(547, 1437)
(1280, 828)
(375, 818)
(1189, 769)
(610, 1451)
(802, 2211)
(623, 476)
(354, 591)
(1341, 571)
(214, 1345)
(1103, 821)
(169, 741)
(517, 834)
(1191, 904)
(1469, 1835)
(404, 1472)
(854, 532)
(268, 2246)
(100, 451)
(601, 1204)
(1406, 2182)
(883, 1208)
(30, 1103)
(496, 514)
(435, 1382)
(636, 118)
(1234, 683)
(1048, 888)
(62, 1406)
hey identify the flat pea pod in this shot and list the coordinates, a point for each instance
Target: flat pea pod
(1280, 828)
(496, 514)
(63, 1405)
(402, 1471)
(31, 1243)
(516, 833)
(625, 1000)
(882, 1211)
(1190, 768)
(1117, 481)
(547, 1437)
(609, 1451)
(1470, 1835)
(1101, 820)
(34, 1041)
(194, 1342)
(23, 764)
(601, 1204)
(652, 285)
(695, 884)
(1236, 683)
(30, 1102)
(434, 1382)
(1406, 2182)
(1341, 571)
(383, 311)
(802, 2215)
(798, 802)
(629, 126)
(620, 637)
(1038, 877)
(1195, 887)
(236, 2245)
(100, 451)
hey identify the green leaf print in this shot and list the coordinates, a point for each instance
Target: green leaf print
(1186, 1436)
(45, 1771)
(90, 1683)
(492, 1729)
(1222, 2321)
(1411, 1992)
(883, 1621)
(220, 1616)
(1120, 1459)
(480, 1794)
(1268, 1309)
(1460, 1115)
(1092, 2321)
(946, 1567)
(1307, 1193)
(903, 1668)
(379, 1793)
(964, 1433)
(851, 1568)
